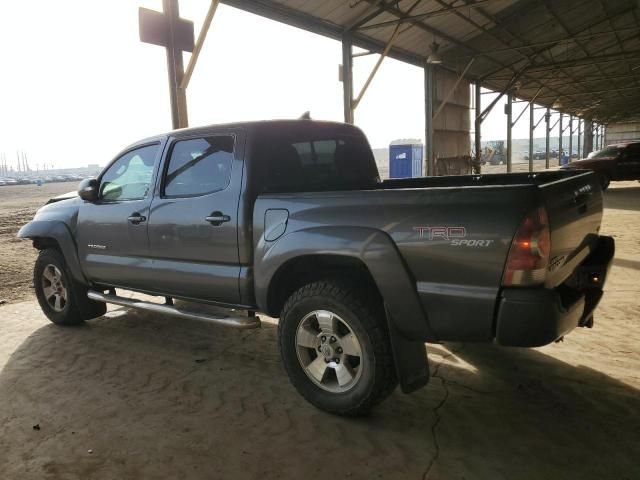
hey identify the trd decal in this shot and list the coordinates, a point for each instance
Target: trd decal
(441, 233)
(456, 236)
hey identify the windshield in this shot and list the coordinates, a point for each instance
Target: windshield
(607, 152)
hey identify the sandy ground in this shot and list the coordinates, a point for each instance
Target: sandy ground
(17, 205)
(133, 395)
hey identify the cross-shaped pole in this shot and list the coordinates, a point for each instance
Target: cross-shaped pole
(167, 29)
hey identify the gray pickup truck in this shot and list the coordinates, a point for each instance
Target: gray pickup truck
(290, 218)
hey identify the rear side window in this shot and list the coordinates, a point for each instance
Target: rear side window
(199, 166)
(632, 150)
(307, 164)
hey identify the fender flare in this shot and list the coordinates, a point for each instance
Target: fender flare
(407, 322)
(58, 231)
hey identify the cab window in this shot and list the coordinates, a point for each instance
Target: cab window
(129, 177)
(199, 166)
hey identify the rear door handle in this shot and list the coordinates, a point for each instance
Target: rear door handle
(217, 218)
(136, 218)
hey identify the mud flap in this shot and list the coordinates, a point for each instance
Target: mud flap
(410, 358)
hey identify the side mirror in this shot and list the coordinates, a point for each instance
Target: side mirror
(88, 189)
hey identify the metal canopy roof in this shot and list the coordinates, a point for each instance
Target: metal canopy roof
(578, 56)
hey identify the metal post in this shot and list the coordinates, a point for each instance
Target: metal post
(603, 136)
(347, 78)
(531, 127)
(428, 118)
(547, 128)
(560, 140)
(478, 126)
(579, 137)
(176, 69)
(509, 125)
(587, 146)
(570, 137)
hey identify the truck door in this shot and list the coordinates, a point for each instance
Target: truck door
(629, 163)
(193, 222)
(112, 232)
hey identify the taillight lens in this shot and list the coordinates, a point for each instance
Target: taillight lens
(529, 253)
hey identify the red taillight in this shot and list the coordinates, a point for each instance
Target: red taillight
(529, 253)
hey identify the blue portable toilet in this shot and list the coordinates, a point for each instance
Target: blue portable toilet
(405, 159)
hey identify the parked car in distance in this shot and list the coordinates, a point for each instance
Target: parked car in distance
(290, 218)
(614, 162)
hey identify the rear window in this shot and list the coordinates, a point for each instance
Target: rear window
(299, 163)
(607, 152)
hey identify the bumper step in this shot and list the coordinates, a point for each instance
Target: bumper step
(233, 322)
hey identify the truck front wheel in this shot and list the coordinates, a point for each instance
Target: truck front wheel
(62, 299)
(335, 348)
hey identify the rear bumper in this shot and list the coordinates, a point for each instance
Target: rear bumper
(532, 317)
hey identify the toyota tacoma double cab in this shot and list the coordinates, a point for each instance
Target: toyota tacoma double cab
(291, 219)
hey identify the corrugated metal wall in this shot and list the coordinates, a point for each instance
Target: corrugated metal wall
(451, 128)
(618, 132)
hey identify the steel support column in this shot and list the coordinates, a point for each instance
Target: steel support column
(531, 127)
(428, 118)
(478, 135)
(560, 132)
(509, 128)
(579, 137)
(347, 78)
(587, 146)
(547, 129)
(176, 70)
(570, 137)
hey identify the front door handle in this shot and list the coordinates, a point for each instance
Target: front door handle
(217, 218)
(136, 218)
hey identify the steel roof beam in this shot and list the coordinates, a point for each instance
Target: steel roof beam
(490, 33)
(586, 61)
(423, 16)
(564, 26)
(583, 27)
(374, 10)
(557, 42)
(620, 43)
(592, 92)
(400, 13)
(279, 13)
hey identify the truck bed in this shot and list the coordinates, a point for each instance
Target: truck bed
(454, 233)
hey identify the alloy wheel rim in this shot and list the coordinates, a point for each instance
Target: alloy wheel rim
(54, 288)
(329, 351)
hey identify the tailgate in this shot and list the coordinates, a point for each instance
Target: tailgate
(574, 208)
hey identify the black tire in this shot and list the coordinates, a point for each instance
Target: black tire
(377, 377)
(76, 307)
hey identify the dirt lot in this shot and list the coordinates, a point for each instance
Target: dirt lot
(17, 205)
(134, 395)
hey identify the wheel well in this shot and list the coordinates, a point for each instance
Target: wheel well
(310, 268)
(42, 243)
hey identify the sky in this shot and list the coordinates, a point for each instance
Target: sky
(77, 85)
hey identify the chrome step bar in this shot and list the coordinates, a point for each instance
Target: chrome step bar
(234, 322)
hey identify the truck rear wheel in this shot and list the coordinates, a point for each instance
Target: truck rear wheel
(335, 348)
(62, 299)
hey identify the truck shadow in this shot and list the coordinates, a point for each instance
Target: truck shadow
(157, 397)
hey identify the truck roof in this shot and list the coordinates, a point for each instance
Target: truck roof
(257, 125)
